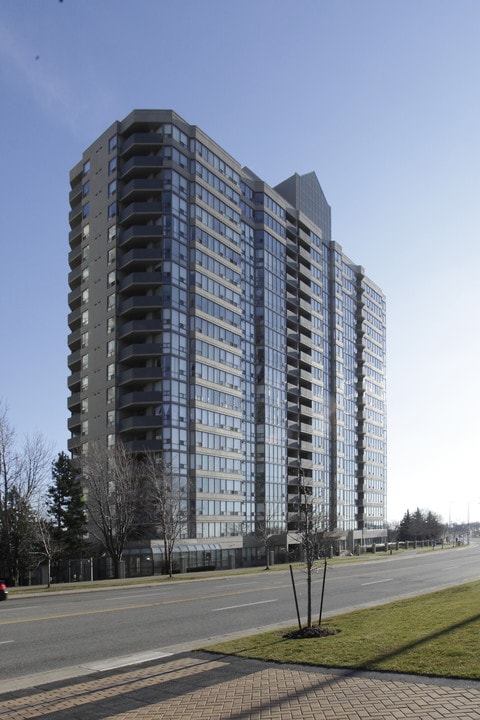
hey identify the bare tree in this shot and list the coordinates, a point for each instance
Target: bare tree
(23, 472)
(313, 524)
(168, 498)
(47, 545)
(113, 485)
(266, 530)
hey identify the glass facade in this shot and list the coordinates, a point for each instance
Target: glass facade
(213, 321)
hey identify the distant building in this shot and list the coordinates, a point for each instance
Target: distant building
(213, 319)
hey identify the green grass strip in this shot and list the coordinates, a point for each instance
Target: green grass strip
(436, 634)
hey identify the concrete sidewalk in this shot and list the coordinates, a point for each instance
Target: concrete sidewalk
(196, 685)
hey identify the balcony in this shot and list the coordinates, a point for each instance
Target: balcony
(139, 398)
(139, 235)
(75, 215)
(140, 305)
(73, 340)
(139, 257)
(75, 194)
(138, 375)
(305, 428)
(74, 298)
(139, 187)
(75, 277)
(139, 141)
(138, 166)
(75, 235)
(75, 255)
(139, 327)
(304, 288)
(73, 381)
(74, 443)
(139, 280)
(74, 319)
(74, 422)
(140, 422)
(140, 212)
(140, 351)
(74, 359)
(73, 403)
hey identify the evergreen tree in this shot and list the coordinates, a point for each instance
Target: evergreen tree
(420, 526)
(66, 507)
(19, 545)
(405, 528)
(434, 526)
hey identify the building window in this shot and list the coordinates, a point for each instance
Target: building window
(85, 274)
(110, 418)
(84, 340)
(110, 348)
(112, 188)
(111, 371)
(85, 252)
(110, 325)
(86, 188)
(84, 383)
(84, 427)
(112, 165)
(85, 295)
(111, 256)
(112, 233)
(86, 167)
(111, 278)
(112, 210)
(112, 143)
(86, 210)
(86, 231)
(84, 405)
(111, 301)
(85, 362)
(110, 395)
(110, 441)
(85, 317)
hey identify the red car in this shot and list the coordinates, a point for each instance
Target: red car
(3, 591)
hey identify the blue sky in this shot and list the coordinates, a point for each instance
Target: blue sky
(380, 98)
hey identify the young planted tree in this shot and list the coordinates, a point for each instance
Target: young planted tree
(313, 534)
(307, 529)
(113, 485)
(168, 501)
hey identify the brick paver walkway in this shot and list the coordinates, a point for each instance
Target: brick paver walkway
(193, 686)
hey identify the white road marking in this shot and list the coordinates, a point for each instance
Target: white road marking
(234, 607)
(133, 595)
(5, 642)
(375, 582)
(134, 659)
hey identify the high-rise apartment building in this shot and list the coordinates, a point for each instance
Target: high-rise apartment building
(213, 320)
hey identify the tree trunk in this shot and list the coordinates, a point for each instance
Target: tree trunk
(309, 595)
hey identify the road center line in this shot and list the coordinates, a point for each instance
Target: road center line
(234, 607)
(375, 582)
(138, 606)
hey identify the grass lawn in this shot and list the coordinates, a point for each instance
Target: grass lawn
(436, 634)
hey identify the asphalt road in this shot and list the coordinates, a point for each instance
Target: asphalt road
(51, 632)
